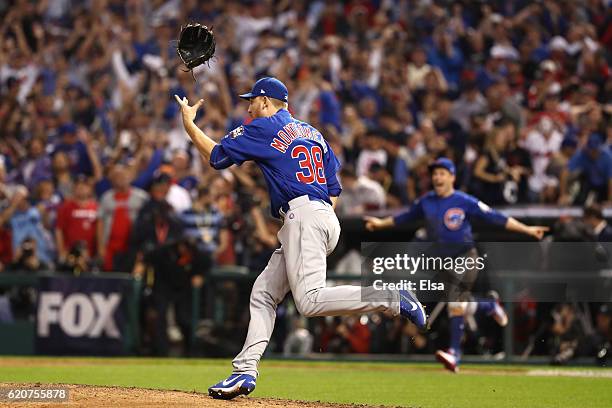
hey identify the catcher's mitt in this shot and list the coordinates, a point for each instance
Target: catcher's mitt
(196, 45)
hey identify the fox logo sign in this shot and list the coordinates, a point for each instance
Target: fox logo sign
(79, 314)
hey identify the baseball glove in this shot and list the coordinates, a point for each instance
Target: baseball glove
(196, 45)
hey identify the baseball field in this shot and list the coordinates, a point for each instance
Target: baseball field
(179, 382)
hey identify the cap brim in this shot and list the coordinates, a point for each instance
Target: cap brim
(246, 96)
(439, 166)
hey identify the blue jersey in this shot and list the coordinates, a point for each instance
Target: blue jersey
(598, 171)
(448, 219)
(293, 156)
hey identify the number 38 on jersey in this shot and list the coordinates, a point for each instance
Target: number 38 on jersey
(311, 163)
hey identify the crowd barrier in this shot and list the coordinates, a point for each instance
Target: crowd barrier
(99, 314)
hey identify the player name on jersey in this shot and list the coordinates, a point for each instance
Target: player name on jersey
(292, 131)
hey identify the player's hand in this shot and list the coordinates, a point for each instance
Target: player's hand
(373, 223)
(537, 231)
(188, 112)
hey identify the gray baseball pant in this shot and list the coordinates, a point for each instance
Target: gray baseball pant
(309, 234)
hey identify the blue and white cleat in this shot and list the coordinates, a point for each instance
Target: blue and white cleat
(412, 309)
(499, 314)
(448, 358)
(233, 386)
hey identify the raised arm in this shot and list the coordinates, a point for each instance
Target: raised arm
(202, 142)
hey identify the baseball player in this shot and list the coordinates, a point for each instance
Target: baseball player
(300, 170)
(447, 215)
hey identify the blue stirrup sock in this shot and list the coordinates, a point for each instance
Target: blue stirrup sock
(456, 333)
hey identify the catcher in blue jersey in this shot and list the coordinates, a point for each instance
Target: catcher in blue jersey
(447, 214)
(300, 170)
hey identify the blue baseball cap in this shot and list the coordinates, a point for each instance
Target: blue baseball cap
(569, 142)
(270, 87)
(443, 163)
(595, 141)
(67, 128)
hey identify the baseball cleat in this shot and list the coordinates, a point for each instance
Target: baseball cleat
(499, 314)
(449, 360)
(412, 309)
(233, 386)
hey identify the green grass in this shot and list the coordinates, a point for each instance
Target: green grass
(395, 384)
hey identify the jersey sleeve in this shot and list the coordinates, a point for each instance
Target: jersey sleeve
(334, 188)
(220, 160)
(242, 144)
(415, 212)
(481, 210)
(332, 165)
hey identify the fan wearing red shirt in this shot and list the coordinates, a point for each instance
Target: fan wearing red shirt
(355, 334)
(76, 220)
(117, 212)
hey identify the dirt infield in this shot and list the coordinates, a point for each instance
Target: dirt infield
(95, 396)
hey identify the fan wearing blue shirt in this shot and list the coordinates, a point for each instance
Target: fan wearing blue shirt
(594, 164)
(448, 214)
(300, 170)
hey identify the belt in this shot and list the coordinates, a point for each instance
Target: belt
(297, 202)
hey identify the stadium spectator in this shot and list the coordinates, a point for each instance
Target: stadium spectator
(78, 158)
(359, 193)
(417, 69)
(603, 334)
(227, 204)
(178, 266)
(352, 336)
(157, 223)
(176, 195)
(78, 261)
(299, 341)
(558, 165)
(47, 200)
(183, 173)
(593, 217)
(62, 177)
(566, 333)
(519, 164)
(36, 167)
(444, 54)
(205, 224)
(470, 102)
(76, 220)
(450, 129)
(25, 222)
(117, 212)
(27, 260)
(491, 172)
(542, 142)
(594, 164)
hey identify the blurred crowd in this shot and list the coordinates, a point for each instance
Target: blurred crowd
(96, 171)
